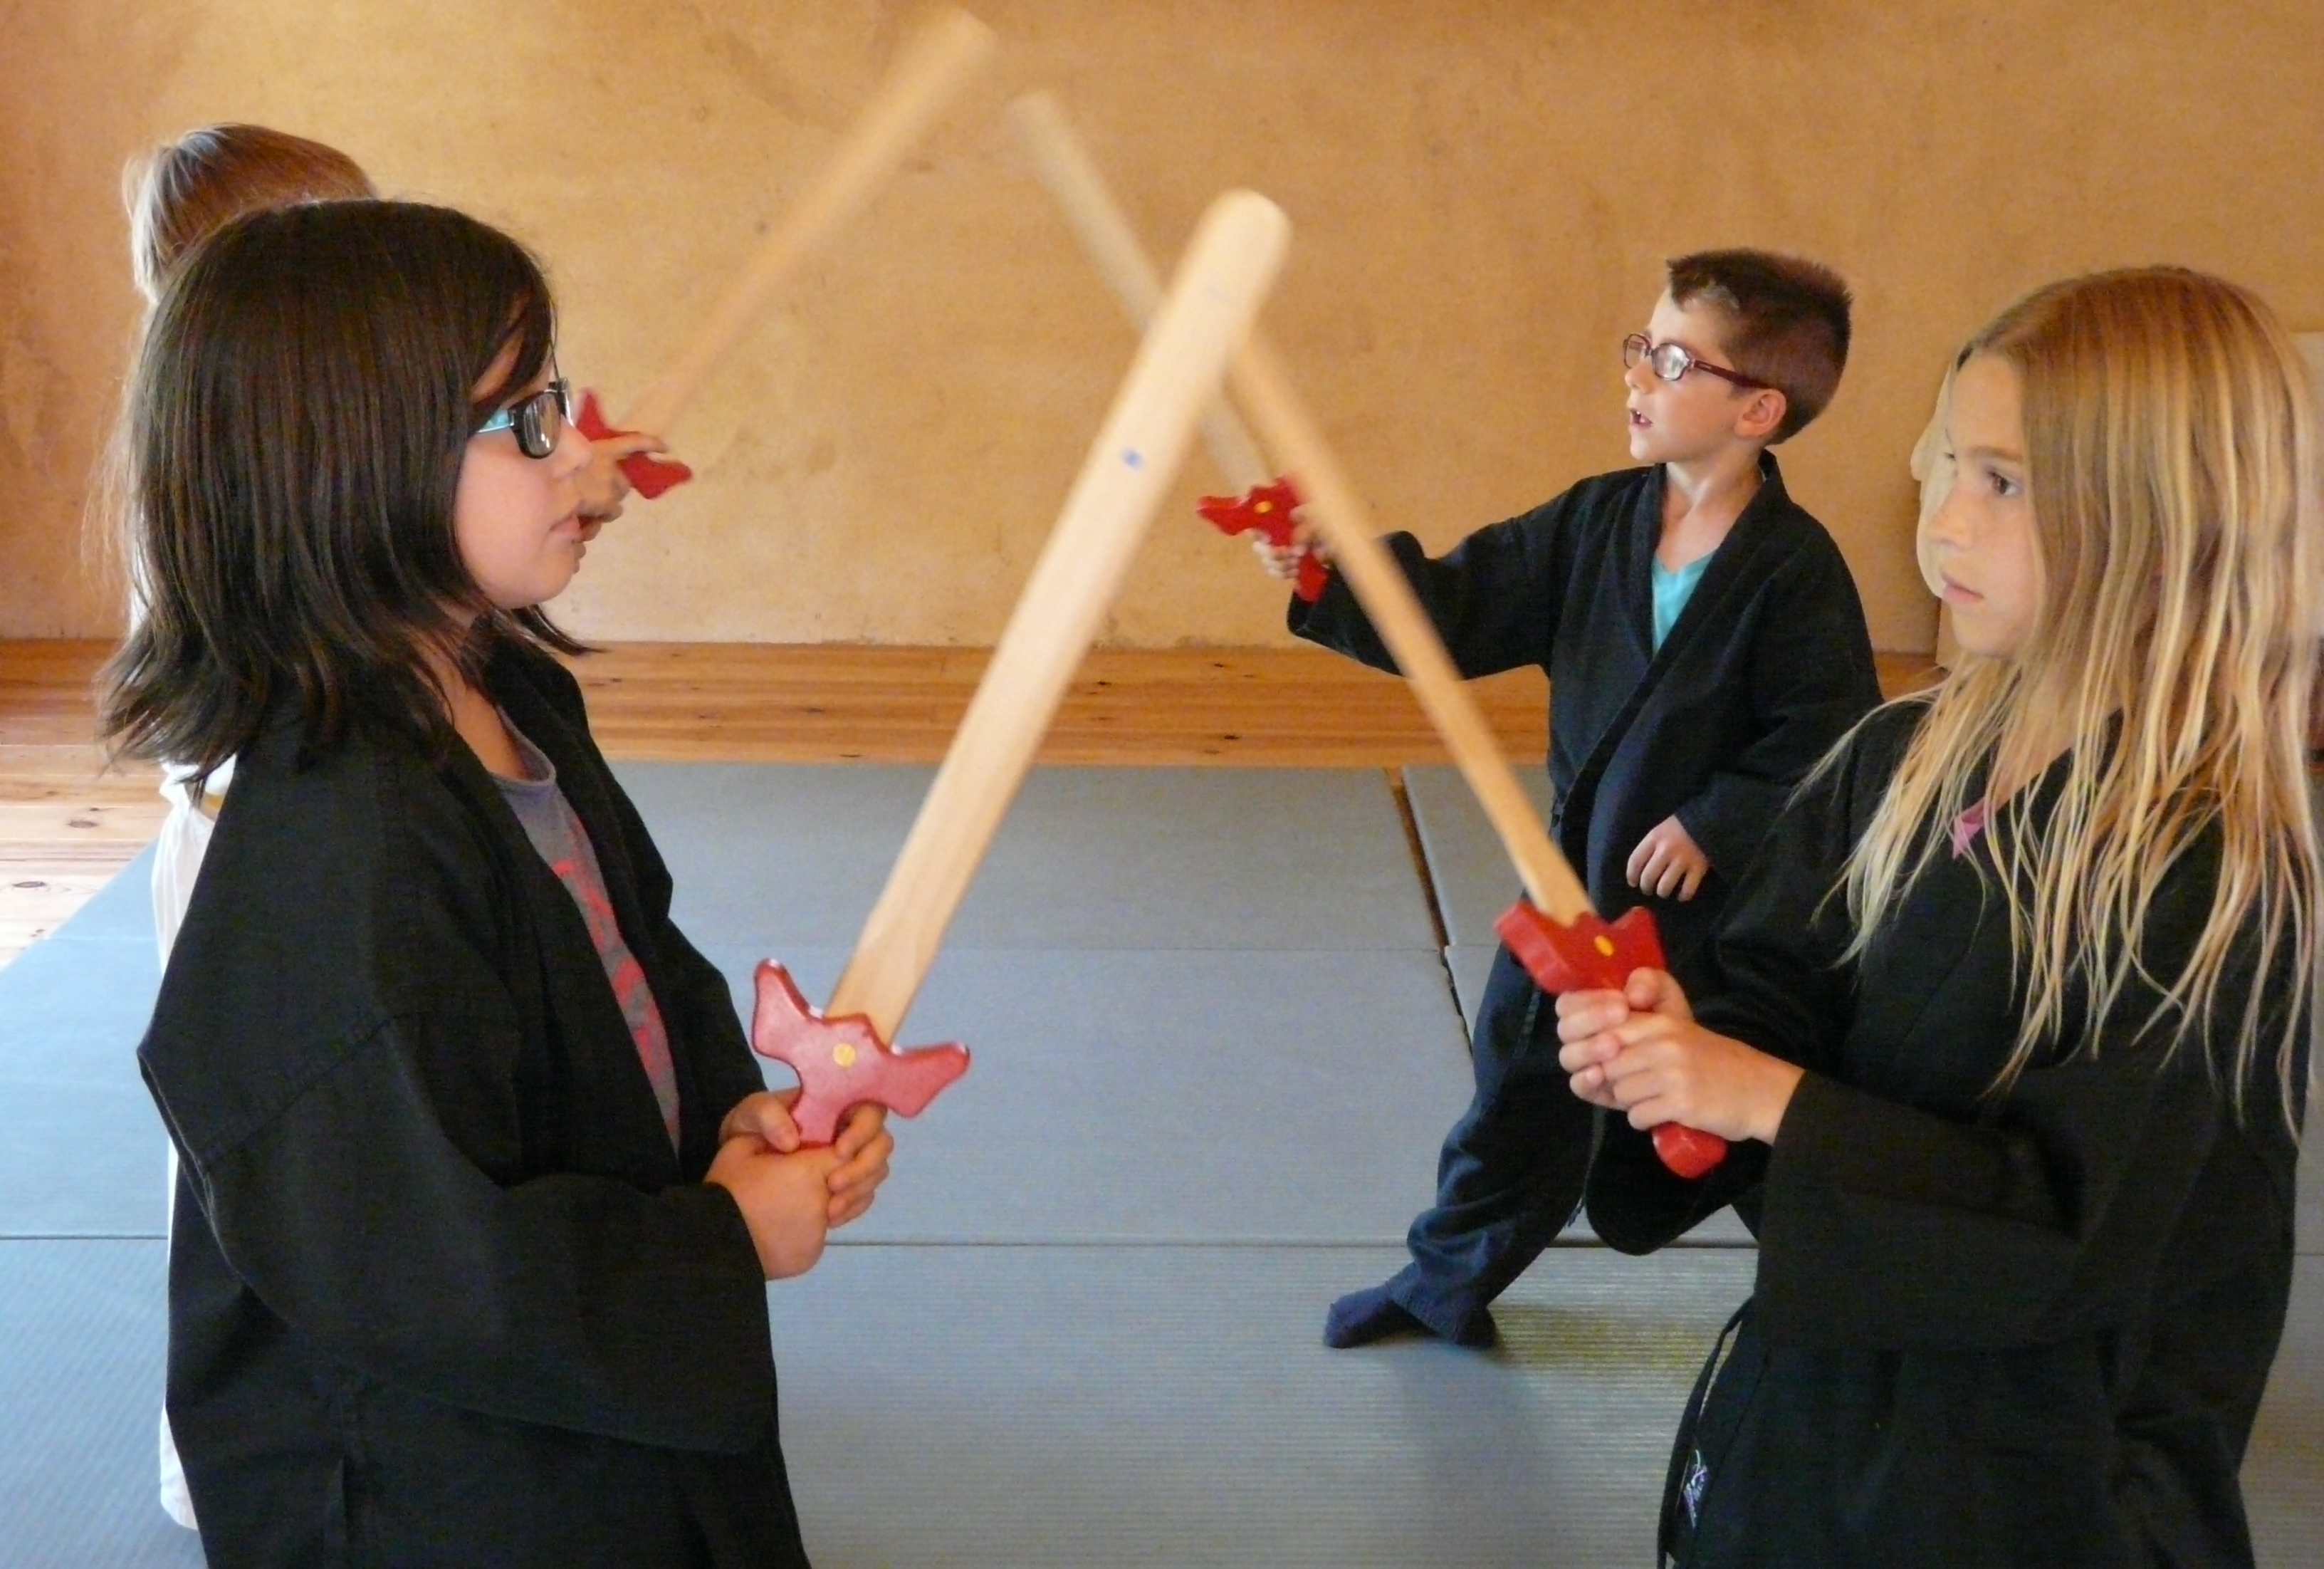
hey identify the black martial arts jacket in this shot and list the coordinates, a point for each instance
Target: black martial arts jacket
(1763, 672)
(2030, 1329)
(440, 1291)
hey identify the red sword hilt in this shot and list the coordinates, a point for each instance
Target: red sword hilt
(1268, 508)
(1593, 954)
(842, 1061)
(648, 475)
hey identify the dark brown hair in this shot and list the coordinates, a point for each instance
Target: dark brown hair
(181, 192)
(1786, 323)
(296, 421)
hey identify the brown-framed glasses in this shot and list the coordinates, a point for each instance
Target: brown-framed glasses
(1670, 361)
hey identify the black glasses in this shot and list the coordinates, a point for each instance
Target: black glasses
(538, 420)
(1670, 361)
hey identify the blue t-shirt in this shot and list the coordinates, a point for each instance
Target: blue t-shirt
(1672, 590)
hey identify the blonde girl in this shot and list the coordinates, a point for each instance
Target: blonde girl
(2014, 1004)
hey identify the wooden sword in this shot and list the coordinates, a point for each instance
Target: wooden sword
(842, 1054)
(934, 66)
(1554, 932)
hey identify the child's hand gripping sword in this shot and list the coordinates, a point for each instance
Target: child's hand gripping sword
(932, 69)
(1557, 937)
(842, 1054)
(1072, 177)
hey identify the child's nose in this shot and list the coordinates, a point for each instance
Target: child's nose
(1945, 524)
(571, 455)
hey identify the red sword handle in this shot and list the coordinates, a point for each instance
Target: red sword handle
(1596, 955)
(648, 475)
(1268, 508)
(842, 1061)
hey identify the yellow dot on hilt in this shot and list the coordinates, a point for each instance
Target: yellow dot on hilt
(844, 1055)
(1263, 506)
(1605, 947)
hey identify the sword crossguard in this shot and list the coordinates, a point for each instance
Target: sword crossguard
(648, 475)
(1594, 955)
(842, 1062)
(1268, 509)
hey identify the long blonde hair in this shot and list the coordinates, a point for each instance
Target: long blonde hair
(2171, 464)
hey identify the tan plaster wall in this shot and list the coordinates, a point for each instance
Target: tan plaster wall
(1481, 190)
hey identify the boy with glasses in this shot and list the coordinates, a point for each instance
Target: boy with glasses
(1705, 647)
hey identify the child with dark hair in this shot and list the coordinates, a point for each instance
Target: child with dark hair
(481, 1185)
(178, 194)
(1704, 645)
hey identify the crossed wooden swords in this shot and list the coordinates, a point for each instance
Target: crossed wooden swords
(1198, 333)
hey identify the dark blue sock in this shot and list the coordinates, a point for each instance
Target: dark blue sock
(1361, 1317)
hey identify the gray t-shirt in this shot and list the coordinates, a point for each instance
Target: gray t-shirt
(556, 832)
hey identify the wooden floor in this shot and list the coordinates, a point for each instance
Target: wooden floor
(67, 822)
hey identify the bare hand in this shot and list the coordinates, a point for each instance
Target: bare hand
(1585, 1017)
(765, 1116)
(863, 1147)
(1668, 863)
(604, 485)
(1282, 562)
(1638, 1051)
(784, 1199)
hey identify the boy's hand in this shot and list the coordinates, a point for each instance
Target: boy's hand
(1638, 1051)
(1282, 562)
(785, 1200)
(1668, 863)
(604, 485)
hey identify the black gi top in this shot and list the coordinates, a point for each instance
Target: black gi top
(2025, 1330)
(440, 1291)
(1766, 669)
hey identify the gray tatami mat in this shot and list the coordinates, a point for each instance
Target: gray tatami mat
(1177, 1097)
(1164, 1405)
(1470, 964)
(1171, 1096)
(82, 1152)
(81, 1344)
(1086, 858)
(1097, 1407)
(2283, 1469)
(1472, 872)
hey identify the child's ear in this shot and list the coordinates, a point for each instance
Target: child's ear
(1762, 414)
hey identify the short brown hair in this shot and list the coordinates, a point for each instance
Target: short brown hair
(181, 192)
(1787, 322)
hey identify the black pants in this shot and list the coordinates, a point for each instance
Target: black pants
(1512, 1169)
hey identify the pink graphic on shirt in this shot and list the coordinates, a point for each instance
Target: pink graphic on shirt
(1968, 826)
(630, 987)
